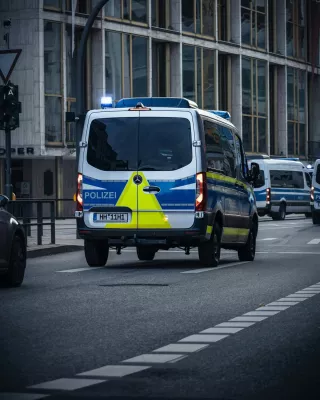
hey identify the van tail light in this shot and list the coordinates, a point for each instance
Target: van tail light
(312, 193)
(79, 194)
(201, 192)
(268, 196)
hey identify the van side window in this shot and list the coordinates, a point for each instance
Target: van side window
(220, 154)
(308, 179)
(297, 178)
(318, 174)
(287, 179)
(239, 158)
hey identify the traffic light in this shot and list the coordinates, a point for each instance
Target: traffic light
(10, 107)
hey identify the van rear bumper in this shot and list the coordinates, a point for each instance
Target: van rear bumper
(160, 237)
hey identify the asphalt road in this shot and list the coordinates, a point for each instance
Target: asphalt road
(135, 329)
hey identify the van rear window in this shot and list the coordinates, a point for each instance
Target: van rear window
(318, 174)
(131, 144)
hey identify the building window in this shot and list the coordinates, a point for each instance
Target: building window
(53, 81)
(160, 69)
(296, 87)
(296, 23)
(126, 65)
(224, 81)
(198, 75)
(52, 5)
(223, 20)
(131, 10)
(272, 26)
(83, 6)
(253, 22)
(161, 14)
(198, 17)
(254, 110)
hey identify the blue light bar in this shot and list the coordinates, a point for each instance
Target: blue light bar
(222, 114)
(106, 102)
(170, 102)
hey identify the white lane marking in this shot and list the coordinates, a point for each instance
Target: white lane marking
(314, 241)
(306, 293)
(67, 384)
(292, 299)
(22, 396)
(309, 253)
(311, 290)
(181, 348)
(155, 358)
(114, 371)
(237, 324)
(248, 319)
(267, 239)
(261, 313)
(203, 338)
(221, 329)
(283, 303)
(199, 271)
(70, 271)
(302, 295)
(272, 308)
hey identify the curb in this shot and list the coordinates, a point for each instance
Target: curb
(50, 251)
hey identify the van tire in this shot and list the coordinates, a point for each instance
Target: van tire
(308, 215)
(209, 251)
(96, 253)
(248, 252)
(281, 214)
(15, 275)
(145, 253)
(316, 218)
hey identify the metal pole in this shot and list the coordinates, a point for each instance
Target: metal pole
(8, 185)
(80, 104)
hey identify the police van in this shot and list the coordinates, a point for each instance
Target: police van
(283, 187)
(159, 173)
(315, 194)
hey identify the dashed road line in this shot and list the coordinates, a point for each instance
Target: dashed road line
(154, 358)
(314, 241)
(267, 239)
(181, 348)
(67, 384)
(203, 338)
(114, 371)
(201, 270)
(22, 396)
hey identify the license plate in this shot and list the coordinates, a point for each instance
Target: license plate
(110, 217)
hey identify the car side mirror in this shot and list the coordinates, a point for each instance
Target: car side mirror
(3, 200)
(254, 172)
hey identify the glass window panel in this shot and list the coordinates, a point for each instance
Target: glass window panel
(254, 87)
(126, 67)
(198, 16)
(297, 179)
(154, 11)
(246, 3)
(126, 8)
(301, 42)
(290, 93)
(246, 86)
(261, 32)
(289, 39)
(289, 10)
(253, 29)
(113, 56)
(222, 20)
(208, 79)
(113, 9)
(52, 4)
(247, 133)
(262, 125)
(301, 17)
(70, 126)
(70, 64)
(188, 16)
(262, 110)
(245, 26)
(302, 140)
(255, 134)
(261, 7)
(199, 78)
(139, 10)
(208, 17)
(53, 122)
(302, 93)
(139, 66)
(52, 57)
(291, 138)
(188, 72)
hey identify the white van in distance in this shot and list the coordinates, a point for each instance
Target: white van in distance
(315, 194)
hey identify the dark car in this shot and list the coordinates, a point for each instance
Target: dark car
(13, 252)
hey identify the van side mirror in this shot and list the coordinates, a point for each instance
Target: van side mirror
(3, 200)
(254, 172)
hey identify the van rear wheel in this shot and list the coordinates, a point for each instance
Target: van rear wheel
(248, 252)
(281, 214)
(315, 218)
(209, 251)
(96, 253)
(145, 253)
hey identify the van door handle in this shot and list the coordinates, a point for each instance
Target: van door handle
(150, 189)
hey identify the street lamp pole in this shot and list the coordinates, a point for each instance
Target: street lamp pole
(80, 104)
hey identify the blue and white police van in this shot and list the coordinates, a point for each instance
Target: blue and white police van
(315, 194)
(283, 187)
(159, 173)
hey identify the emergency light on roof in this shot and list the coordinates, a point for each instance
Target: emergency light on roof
(171, 102)
(222, 114)
(106, 102)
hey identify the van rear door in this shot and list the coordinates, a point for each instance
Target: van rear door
(167, 170)
(109, 167)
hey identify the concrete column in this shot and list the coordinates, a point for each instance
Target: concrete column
(59, 185)
(281, 27)
(98, 67)
(314, 114)
(216, 80)
(235, 21)
(306, 102)
(176, 75)
(236, 92)
(150, 72)
(216, 25)
(282, 115)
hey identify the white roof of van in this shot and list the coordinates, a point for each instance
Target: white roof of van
(277, 162)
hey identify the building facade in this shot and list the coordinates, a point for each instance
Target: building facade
(258, 59)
